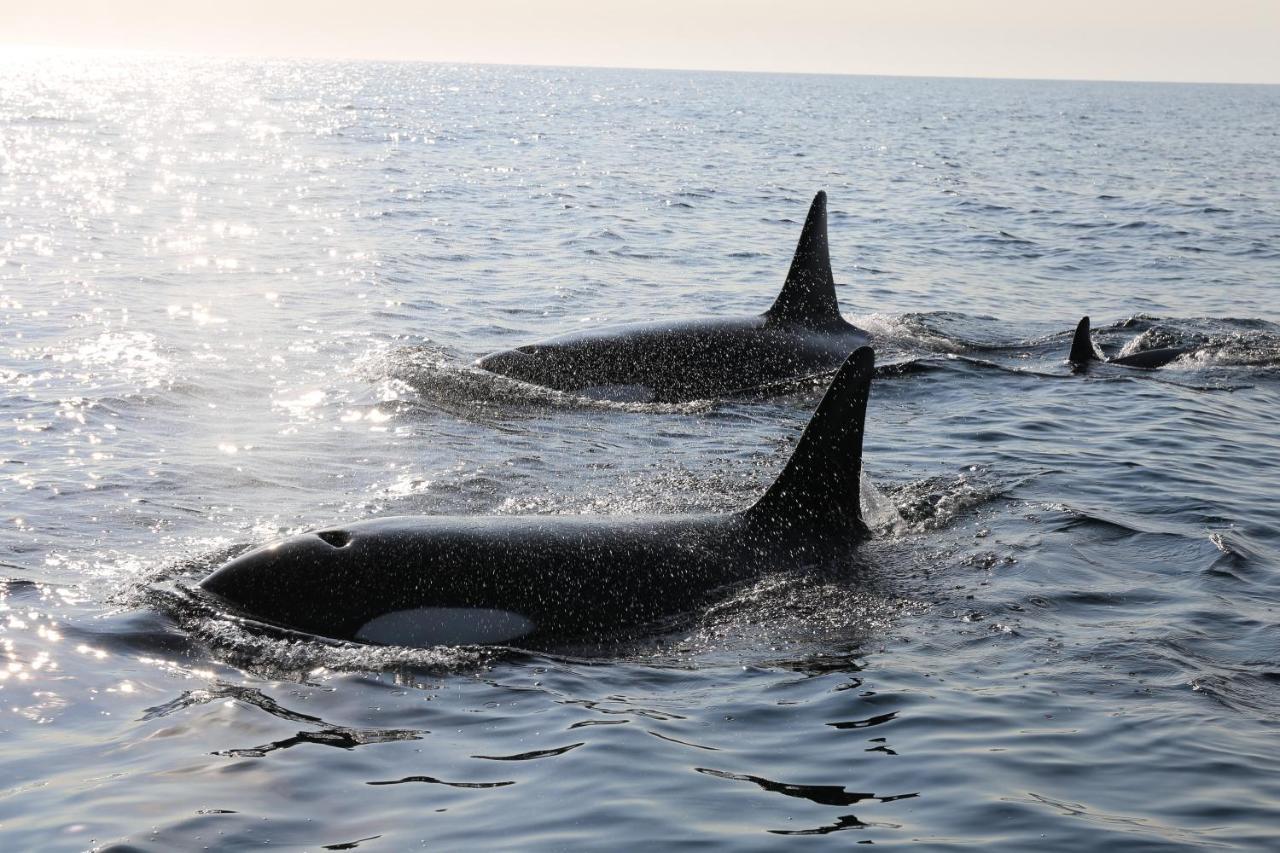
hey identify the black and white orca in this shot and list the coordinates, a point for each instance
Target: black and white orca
(533, 581)
(801, 335)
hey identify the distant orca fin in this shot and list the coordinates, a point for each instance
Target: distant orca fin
(1082, 348)
(820, 485)
(809, 293)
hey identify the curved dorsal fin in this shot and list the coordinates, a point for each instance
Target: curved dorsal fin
(820, 485)
(1082, 348)
(809, 293)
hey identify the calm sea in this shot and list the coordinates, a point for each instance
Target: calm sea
(239, 299)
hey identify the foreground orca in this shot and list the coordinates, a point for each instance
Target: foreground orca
(440, 580)
(674, 361)
(1084, 351)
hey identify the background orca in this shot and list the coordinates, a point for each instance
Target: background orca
(437, 580)
(674, 361)
(1084, 351)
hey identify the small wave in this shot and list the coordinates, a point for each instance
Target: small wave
(1245, 349)
(935, 502)
(1250, 690)
(878, 512)
(945, 332)
(907, 368)
(1210, 342)
(985, 207)
(906, 331)
(134, 588)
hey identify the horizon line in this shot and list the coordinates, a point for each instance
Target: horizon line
(27, 47)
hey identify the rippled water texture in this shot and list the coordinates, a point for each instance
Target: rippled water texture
(239, 299)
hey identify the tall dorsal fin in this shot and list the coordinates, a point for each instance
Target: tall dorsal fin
(820, 485)
(809, 293)
(1082, 348)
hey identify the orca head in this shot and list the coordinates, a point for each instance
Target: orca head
(537, 364)
(568, 363)
(354, 583)
(316, 582)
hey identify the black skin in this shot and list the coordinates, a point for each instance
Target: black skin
(574, 577)
(681, 360)
(1150, 359)
(802, 335)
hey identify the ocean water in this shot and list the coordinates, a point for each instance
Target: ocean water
(240, 299)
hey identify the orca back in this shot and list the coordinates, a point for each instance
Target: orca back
(1152, 358)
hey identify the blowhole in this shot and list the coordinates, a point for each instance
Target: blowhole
(336, 538)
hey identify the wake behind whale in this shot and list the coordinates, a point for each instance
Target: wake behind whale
(538, 580)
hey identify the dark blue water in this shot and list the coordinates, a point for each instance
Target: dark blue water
(240, 299)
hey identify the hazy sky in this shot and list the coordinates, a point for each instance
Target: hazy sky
(1200, 40)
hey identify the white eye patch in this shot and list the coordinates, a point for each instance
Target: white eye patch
(423, 627)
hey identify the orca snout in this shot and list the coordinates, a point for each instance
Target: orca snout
(267, 581)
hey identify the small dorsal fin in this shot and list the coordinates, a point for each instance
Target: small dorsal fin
(1082, 348)
(820, 485)
(809, 293)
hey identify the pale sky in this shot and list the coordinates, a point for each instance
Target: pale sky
(1183, 40)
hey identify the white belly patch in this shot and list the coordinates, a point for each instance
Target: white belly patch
(619, 393)
(423, 627)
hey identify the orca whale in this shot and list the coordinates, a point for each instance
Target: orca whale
(538, 580)
(801, 335)
(1083, 351)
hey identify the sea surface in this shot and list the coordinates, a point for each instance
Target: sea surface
(240, 299)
